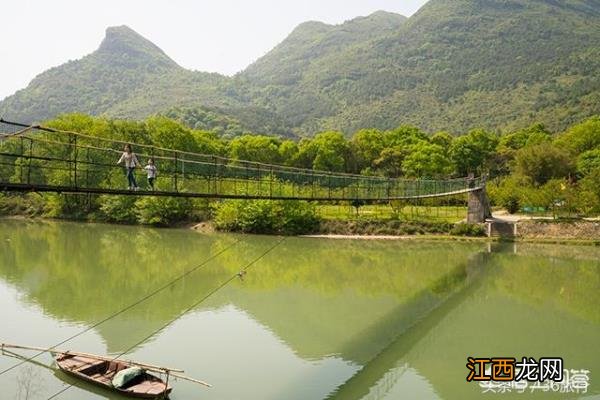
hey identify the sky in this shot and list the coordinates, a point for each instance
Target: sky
(221, 36)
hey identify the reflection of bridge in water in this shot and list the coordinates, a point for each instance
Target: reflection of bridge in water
(394, 329)
(40, 159)
(377, 377)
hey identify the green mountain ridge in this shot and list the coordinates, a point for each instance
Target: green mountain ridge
(123, 47)
(454, 65)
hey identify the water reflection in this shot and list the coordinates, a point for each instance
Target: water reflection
(313, 319)
(529, 301)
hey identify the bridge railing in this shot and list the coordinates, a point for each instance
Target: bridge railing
(46, 159)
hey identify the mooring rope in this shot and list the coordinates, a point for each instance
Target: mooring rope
(127, 308)
(187, 310)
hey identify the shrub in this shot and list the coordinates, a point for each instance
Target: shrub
(265, 216)
(471, 230)
(121, 209)
(543, 162)
(511, 204)
(30, 204)
(163, 211)
(70, 206)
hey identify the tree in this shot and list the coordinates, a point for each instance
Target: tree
(288, 151)
(426, 160)
(208, 143)
(507, 192)
(535, 134)
(589, 188)
(390, 161)
(543, 162)
(471, 152)
(443, 139)
(582, 137)
(264, 149)
(367, 145)
(165, 132)
(404, 136)
(328, 151)
(588, 161)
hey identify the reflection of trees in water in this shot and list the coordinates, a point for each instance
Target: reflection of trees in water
(315, 294)
(514, 292)
(29, 383)
(84, 271)
(568, 252)
(572, 286)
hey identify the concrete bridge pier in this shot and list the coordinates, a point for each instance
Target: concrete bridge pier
(478, 207)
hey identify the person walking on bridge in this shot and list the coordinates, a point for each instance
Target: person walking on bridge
(151, 171)
(131, 162)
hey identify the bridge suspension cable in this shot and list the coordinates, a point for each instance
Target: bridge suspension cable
(51, 160)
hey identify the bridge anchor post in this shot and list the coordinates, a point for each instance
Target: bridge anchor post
(478, 207)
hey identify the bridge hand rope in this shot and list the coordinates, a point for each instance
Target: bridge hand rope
(88, 163)
(187, 310)
(129, 307)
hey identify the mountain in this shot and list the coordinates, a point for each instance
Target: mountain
(454, 65)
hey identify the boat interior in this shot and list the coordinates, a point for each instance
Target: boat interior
(103, 371)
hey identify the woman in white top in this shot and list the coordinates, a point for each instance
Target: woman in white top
(131, 162)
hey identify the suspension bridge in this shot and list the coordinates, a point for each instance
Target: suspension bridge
(35, 158)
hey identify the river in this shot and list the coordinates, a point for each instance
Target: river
(311, 319)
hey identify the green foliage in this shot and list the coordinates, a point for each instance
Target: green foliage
(443, 139)
(589, 197)
(543, 162)
(367, 145)
(164, 211)
(69, 206)
(169, 134)
(288, 152)
(31, 205)
(588, 161)
(582, 137)
(120, 209)
(264, 216)
(507, 192)
(327, 151)
(535, 134)
(471, 230)
(206, 119)
(264, 149)
(426, 160)
(471, 153)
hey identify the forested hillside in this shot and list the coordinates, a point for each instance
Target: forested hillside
(454, 65)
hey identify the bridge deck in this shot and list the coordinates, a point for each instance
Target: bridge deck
(21, 187)
(41, 159)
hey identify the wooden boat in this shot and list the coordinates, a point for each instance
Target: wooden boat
(101, 372)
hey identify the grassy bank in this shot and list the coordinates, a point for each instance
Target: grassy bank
(285, 217)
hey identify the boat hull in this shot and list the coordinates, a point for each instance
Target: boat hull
(100, 372)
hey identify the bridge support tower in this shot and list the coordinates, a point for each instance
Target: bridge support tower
(478, 207)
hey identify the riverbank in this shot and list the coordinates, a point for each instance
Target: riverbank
(442, 238)
(548, 229)
(534, 232)
(297, 219)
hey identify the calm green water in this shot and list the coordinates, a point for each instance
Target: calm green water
(314, 319)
